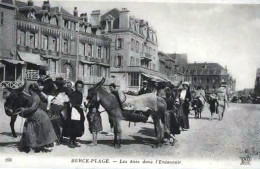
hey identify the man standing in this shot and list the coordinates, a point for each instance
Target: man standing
(145, 88)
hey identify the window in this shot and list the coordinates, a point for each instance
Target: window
(137, 46)
(132, 61)
(66, 24)
(90, 50)
(132, 44)
(99, 52)
(107, 54)
(119, 43)
(134, 77)
(32, 40)
(99, 71)
(54, 44)
(52, 66)
(65, 46)
(137, 62)
(54, 21)
(2, 18)
(85, 46)
(73, 47)
(92, 70)
(31, 16)
(44, 42)
(118, 61)
(21, 40)
(109, 26)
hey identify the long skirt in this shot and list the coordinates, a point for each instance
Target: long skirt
(74, 128)
(37, 131)
(184, 112)
(174, 125)
(95, 122)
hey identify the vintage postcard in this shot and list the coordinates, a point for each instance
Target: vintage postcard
(130, 84)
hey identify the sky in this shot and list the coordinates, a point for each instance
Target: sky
(224, 32)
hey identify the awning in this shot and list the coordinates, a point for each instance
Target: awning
(32, 58)
(154, 78)
(51, 57)
(12, 61)
(87, 62)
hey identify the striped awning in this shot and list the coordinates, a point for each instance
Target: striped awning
(32, 58)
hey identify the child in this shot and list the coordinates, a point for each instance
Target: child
(94, 121)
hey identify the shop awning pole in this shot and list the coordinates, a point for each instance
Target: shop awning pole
(4, 73)
(15, 72)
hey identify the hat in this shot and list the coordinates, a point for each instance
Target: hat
(145, 81)
(185, 83)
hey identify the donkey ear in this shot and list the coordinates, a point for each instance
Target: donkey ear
(99, 84)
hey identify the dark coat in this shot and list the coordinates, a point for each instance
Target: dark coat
(38, 130)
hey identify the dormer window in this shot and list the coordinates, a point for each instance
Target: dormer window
(54, 21)
(45, 18)
(31, 15)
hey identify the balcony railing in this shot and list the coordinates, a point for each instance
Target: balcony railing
(95, 79)
(32, 74)
(11, 84)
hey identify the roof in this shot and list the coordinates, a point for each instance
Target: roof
(11, 2)
(205, 66)
(53, 10)
(113, 13)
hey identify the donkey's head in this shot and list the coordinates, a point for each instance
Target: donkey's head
(92, 92)
(16, 99)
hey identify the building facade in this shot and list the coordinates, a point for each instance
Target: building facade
(168, 66)
(134, 49)
(64, 44)
(207, 75)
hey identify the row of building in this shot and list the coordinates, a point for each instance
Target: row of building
(115, 45)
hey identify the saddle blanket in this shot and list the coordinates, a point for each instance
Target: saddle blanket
(141, 103)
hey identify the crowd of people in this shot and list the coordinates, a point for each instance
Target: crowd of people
(56, 110)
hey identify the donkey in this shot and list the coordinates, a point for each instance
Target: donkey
(111, 105)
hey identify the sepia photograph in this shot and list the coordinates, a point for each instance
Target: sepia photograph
(130, 84)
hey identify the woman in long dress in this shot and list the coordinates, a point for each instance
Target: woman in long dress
(185, 98)
(38, 131)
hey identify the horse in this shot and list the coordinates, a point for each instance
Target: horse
(197, 107)
(111, 105)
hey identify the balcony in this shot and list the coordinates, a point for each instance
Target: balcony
(55, 75)
(32, 74)
(95, 79)
(11, 84)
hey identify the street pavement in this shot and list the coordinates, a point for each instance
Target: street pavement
(237, 135)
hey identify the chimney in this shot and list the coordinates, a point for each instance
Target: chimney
(75, 12)
(30, 3)
(95, 18)
(46, 5)
(124, 19)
